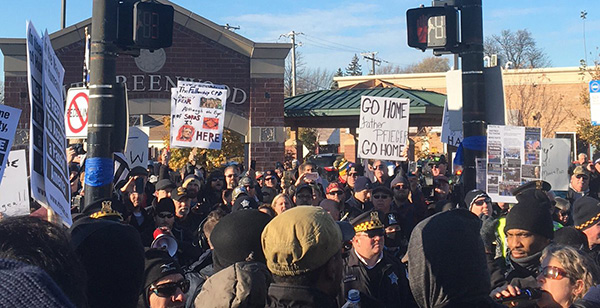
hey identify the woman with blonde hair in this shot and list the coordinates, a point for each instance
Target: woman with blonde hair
(565, 276)
(281, 203)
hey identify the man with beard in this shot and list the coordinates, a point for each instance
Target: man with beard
(213, 190)
(232, 174)
(379, 277)
(410, 211)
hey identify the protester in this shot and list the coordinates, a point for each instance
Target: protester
(562, 212)
(479, 203)
(587, 219)
(335, 192)
(302, 247)
(360, 200)
(164, 285)
(281, 203)
(331, 207)
(579, 185)
(304, 195)
(232, 174)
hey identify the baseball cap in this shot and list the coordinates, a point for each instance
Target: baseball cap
(334, 186)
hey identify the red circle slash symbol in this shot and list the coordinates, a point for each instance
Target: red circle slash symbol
(73, 106)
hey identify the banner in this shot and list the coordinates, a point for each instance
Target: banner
(197, 115)
(383, 128)
(9, 118)
(514, 157)
(14, 199)
(555, 162)
(136, 153)
(36, 134)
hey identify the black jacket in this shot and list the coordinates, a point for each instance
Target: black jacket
(390, 289)
(353, 208)
(292, 296)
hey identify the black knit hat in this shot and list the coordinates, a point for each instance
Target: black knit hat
(237, 236)
(532, 217)
(586, 212)
(474, 195)
(569, 236)
(158, 264)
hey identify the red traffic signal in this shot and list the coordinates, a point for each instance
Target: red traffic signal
(433, 28)
(152, 25)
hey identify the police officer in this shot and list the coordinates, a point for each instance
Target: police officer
(380, 277)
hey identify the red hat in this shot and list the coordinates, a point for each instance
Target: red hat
(334, 186)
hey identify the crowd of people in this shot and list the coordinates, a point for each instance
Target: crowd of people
(303, 236)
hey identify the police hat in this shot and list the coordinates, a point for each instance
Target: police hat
(367, 221)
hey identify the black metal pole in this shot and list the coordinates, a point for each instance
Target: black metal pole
(99, 160)
(63, 14)
(472, 85)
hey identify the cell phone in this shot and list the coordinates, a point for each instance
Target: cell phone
(312, 176)
(412, 167)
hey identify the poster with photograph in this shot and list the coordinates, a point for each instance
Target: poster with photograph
(513, 158)
(197, 115)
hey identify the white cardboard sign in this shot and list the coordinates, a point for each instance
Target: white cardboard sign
(14, 199)
(383, 127)
(555, 162)
(136, 152)
(9, 118)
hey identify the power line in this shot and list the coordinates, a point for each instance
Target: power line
(353, 48)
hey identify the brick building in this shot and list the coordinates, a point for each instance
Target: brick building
(201, 51)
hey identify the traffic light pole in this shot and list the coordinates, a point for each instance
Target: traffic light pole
(472, 87)
(99, 160)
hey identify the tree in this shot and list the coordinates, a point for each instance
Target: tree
(585, 130)
(519, 48)
(334, 84)
(427, 65)
(354, 68)
(531, 103)
(307, 80)
(308, 136)
(232, 148)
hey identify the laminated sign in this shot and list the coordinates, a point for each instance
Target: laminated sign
(197, 115)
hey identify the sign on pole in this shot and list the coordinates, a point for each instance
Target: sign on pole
(197, 115)
(76, 115)
(595, 101)
(556, 159)
(14, 199)
(9, 118)
(514, 157)
(383, 127)
(449, 136)
(136, 152)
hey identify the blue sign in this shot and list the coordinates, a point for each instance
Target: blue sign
(594, 86)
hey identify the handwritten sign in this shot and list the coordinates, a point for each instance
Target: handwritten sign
(9, 118)
(449, 136)
(14, 199)
(197, 115)
(555, 162)
(383, 127)
(136, 153)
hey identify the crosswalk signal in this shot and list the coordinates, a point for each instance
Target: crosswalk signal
(433, 28)
(144, 25)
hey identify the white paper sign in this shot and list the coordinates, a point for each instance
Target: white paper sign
(136, 152)
(58, 189)
(197, 115)
(9, 118)
(35, 48)
(449, 136)
(555, 162)
(383, 127)
(14, 199)
(514, 158)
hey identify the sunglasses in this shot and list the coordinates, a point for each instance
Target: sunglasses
(481, 202)
(552, 272)
(353, 174)
(375, 232)
(161, 215)
(398, 187)
(564, 213)
(581, 176)
(270, 179)
(435, 166)
(217, 179)
(380, 167)
(337, 192)
(380, 197)
(230, 175)
(170, 289)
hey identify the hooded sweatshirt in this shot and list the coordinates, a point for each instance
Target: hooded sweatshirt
(446, 262)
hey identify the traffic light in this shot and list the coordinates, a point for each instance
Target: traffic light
(144, 25)
(433, 28)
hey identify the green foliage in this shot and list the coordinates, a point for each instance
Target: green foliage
(354, 68)
(585, 130)
(232, 149)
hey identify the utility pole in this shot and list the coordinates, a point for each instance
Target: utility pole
(370, 56)
(292, 36)
(63, 14)
(474, 125)
(584, 17)
(99, 161)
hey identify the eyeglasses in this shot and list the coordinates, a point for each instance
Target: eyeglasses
(379, 167)
(375, 232)
(337, 192)
(168, 215)
(481, 202)
(380, 197)
(552, 272)
(435, 166)
(170, 289)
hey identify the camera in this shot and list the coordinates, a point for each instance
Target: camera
(78, 148)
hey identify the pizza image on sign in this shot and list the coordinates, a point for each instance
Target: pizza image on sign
(210, 123)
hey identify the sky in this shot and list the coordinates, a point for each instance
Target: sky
(335, 30)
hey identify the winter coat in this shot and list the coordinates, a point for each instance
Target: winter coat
(291, 296)
(243, 284)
